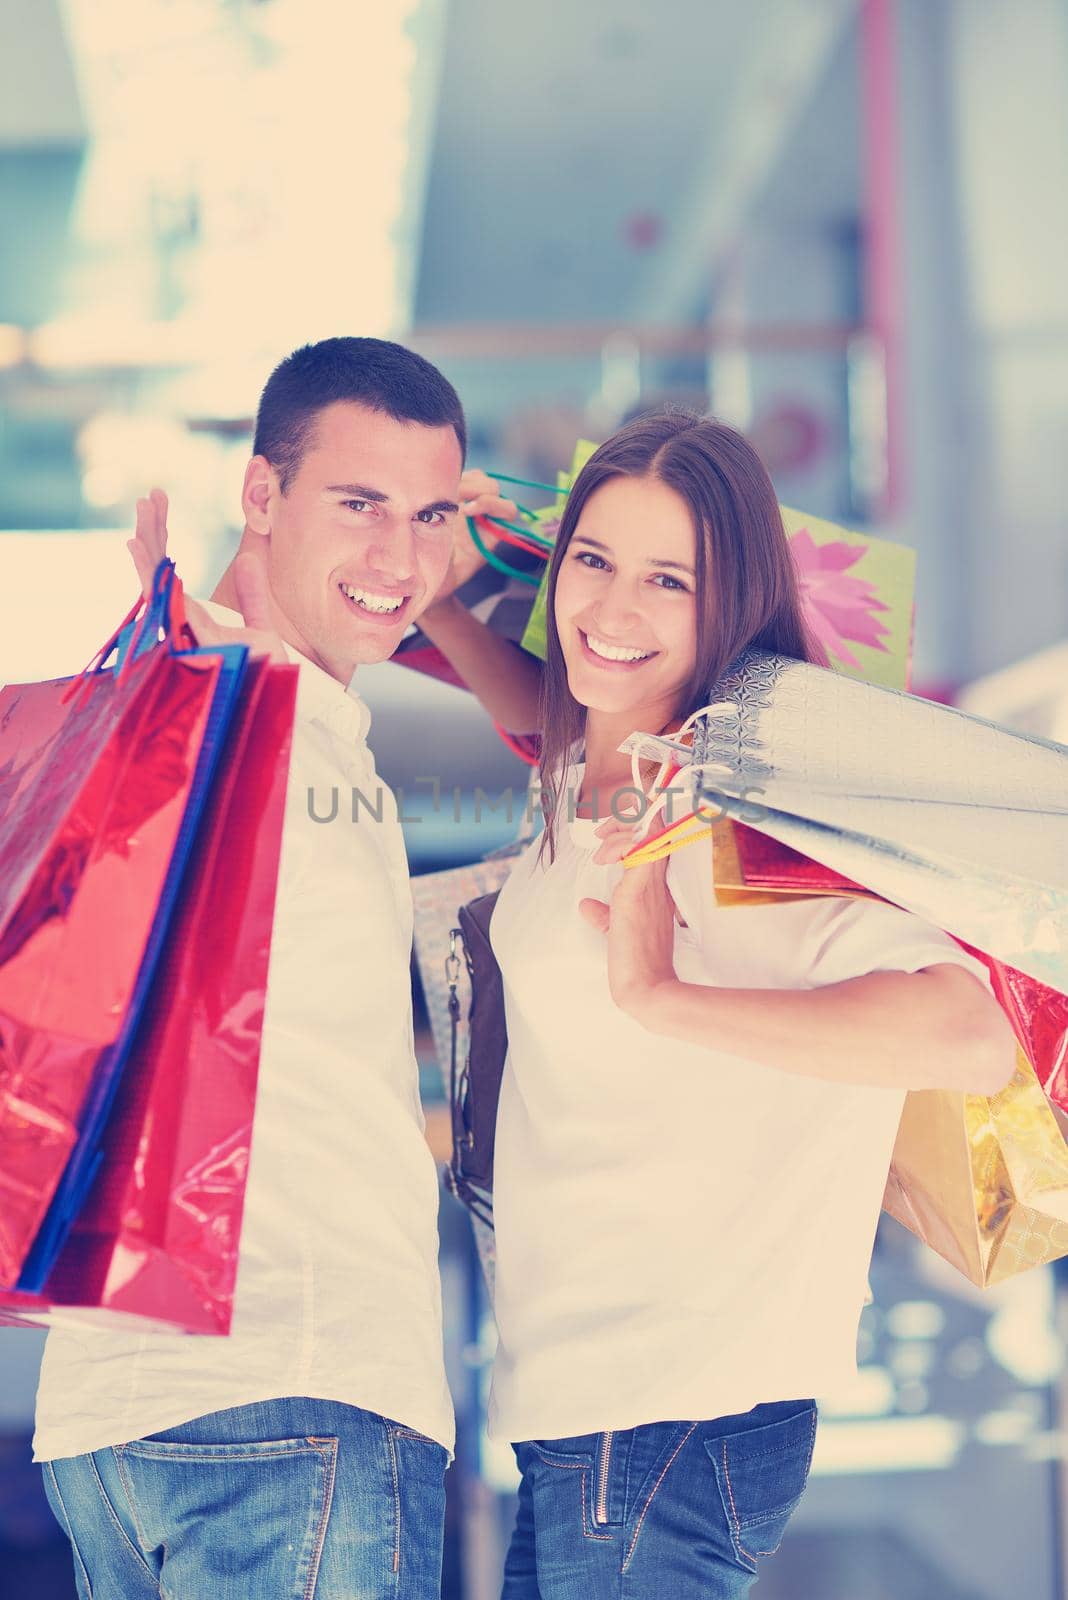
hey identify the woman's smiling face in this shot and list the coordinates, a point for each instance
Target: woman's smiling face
(626, 602)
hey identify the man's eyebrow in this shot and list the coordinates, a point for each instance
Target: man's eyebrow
(358, 491)
(362, 491)
(595, 544)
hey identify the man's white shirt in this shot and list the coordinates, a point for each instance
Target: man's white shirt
(338, 1294)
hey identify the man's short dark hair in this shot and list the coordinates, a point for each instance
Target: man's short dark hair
(369, 372)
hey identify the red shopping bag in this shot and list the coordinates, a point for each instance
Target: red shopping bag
(157, 1241)
(1039, 1017)
(101, 780)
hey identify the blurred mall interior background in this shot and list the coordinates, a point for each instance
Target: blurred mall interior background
(841, 225)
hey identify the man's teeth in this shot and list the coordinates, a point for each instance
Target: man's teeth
(615, 652)
(373, 602)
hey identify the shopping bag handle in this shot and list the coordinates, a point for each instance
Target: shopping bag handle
(165, 609)
(139, 630)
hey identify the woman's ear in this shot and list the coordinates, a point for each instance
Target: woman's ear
(259, 490)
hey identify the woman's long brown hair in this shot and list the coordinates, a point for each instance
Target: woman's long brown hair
(747, 590)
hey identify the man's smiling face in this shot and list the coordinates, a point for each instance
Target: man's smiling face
(360, 540)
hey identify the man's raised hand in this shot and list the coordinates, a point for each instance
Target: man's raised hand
(148, 547)
(149, 543)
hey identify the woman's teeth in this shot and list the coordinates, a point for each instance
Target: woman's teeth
(615, 652)
(382, 603)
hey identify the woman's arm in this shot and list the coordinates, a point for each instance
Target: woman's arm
(504, 678)
(938, 1028)
(933, 1029)
(501, 675)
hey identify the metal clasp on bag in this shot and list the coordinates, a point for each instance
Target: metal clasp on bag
(457, 1079)
(452, 970)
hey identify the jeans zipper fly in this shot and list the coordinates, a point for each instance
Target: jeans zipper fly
(600, 1510)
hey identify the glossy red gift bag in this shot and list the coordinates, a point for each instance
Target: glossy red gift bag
(101, 780)
(157, 1241)
(1039, 1017)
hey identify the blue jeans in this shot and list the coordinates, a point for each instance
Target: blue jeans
(679, 1509)
(290, 1498)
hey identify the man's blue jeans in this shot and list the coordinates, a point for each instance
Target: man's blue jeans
(679, 1509)
(302, 1499)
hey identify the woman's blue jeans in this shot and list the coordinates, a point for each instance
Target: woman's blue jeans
(679, 1509)
(308, 1499)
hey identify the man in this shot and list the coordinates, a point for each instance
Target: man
(303, 1454)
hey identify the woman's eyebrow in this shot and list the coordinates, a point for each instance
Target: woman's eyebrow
(595, 544)
(677, 566)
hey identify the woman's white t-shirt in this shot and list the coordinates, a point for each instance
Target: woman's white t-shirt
(680, 1233)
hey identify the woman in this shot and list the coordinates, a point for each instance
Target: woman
(700, 1103)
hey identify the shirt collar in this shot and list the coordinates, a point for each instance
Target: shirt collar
(320, 694)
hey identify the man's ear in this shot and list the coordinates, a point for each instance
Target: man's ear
(260, 488)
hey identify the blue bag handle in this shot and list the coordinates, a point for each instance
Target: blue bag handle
(141, 634)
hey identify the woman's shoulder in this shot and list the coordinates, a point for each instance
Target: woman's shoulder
(722, 909)
(803, 939)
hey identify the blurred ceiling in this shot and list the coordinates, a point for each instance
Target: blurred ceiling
(39, 100)
(591, 162)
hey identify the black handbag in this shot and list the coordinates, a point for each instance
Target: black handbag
(475, 1088)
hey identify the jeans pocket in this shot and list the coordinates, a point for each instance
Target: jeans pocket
(563, 1489)
(254, 1514)
(545, 1450)
(761, 1474)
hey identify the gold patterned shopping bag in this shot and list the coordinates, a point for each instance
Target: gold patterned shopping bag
(983, 1181)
